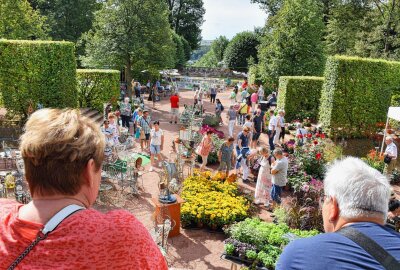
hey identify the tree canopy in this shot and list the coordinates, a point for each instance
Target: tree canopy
(292, 43)
(133, 34)
(240, 49)
(186, 18)
(18, 20)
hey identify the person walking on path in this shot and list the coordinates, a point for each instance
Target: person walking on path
(279, 177)
(253, 99)
(218, 110)
(156, 144)
(249, 123)
(260, 93)
(390, 152)
(278, 127)
(242, 150)
(242, 112)
(257, 128)
(145, 129)
(244, 94)
(225, 156)
(204, 149)
(232, 96)
(282, 134)
(231, 115)
(264, 177)
(213, 94)
(271, 130)
(114, 128)
(174, 100)
(126, 112)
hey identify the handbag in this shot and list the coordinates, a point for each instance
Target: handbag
(387, 159)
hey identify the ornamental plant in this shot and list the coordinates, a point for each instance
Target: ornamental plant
(259, 243)
(211, 201)
(375, 160)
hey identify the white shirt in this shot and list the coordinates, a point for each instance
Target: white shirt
(391, 150)
(156, 136)
(301, 131)
(272, 123)
(261, 92)
(249, 125)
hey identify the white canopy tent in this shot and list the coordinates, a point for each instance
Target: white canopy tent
(393, 113)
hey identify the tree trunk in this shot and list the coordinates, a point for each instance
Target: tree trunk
(129, 77)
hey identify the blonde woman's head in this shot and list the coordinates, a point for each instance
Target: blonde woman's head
(56, 147)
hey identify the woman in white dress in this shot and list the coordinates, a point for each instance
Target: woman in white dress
(264, 177)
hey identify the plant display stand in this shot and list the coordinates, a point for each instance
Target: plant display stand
(174, 210)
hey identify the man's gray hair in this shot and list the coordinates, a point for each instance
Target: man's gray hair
(360, 190)
(278, 151)
(390, 138)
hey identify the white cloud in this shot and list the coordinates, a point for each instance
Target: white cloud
(229, 17)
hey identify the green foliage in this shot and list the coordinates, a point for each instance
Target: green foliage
(19, 21)
(267, 239)
(300, 96)
(186, 18)
(133, 34)
(240, 49)
(229, 249)
(200, 52)
(180, 56)
(33, 72)
(356, 94)
(67, 19)
(96, 87)
(344, 25)
(218, 47)
(207, 60)
(292, 43)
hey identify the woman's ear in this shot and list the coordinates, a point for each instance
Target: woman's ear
(89, 173)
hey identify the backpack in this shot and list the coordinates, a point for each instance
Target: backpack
(222, 108)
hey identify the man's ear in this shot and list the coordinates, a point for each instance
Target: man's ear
(334, 210)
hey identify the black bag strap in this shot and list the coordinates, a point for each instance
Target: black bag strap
(371, 247)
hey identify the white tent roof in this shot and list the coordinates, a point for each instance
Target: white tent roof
(394, 113)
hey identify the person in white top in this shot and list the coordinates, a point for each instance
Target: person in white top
(263, 186)
(278, 127)
(260, 93)
(301, 133)
(248, 123)
(271, 130)
(156, 144)
(391, 151)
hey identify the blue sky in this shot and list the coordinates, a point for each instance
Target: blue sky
(229, 17)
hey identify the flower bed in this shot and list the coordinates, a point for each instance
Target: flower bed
(258, 243)
(212, 201)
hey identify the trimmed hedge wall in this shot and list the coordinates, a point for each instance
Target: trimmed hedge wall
(33, 72)
(356, 94)
(300, 96)
(96, 87)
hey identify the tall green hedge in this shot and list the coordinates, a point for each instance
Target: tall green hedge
(300, 96)
(96, 87)
(356, 94)
(33, 72)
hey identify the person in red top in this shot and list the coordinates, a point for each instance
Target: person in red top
(245, 84)
(174, 100)
(63, 170)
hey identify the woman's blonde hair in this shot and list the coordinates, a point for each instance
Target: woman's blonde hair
(56, 146)
(263, 150)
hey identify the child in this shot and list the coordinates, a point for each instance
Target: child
(226, 156)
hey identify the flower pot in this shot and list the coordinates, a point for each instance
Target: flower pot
(200, 224)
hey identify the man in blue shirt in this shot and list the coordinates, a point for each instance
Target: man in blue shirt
(242, 150)
(356, 198)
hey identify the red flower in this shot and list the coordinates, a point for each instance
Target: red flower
(318, 156)
(300, 136)
(317, 135)
(309, 135)
(322, 135)
(315, 142)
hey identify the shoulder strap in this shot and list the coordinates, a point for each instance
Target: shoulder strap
(371, 247)
(50, 226)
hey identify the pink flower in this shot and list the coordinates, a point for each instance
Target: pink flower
(305, 188)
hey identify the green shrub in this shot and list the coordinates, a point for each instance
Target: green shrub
(33, 72)
(300, 96)
(356, 94)
(96, 87)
